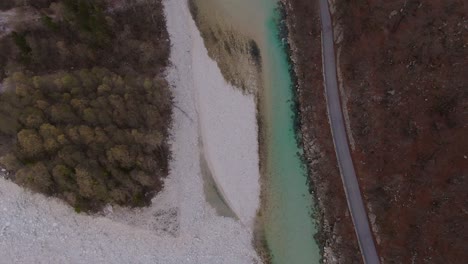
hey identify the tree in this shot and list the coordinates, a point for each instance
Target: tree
(8, 125)
(30, 143)
(32, 117)
(40, 82)
(86, 134)
(64, 177)
(79, 104)
(103, 89)
(35, 177)
(153, 117)
(89, 116)
(100, 135)
(91, 182)
(22, 90)
(85, 181)
(10, 162)
(147, 163)
(74, 135)
(120, 155)
(69, 81)
(143, 178)
(62, 139)
(87, 79)
(51, 145)
(62, 113)
(153, 140)
(71, 156)
(104, 118)
(49, 131)
(42, 104)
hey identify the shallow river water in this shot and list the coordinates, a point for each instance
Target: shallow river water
(289, 227)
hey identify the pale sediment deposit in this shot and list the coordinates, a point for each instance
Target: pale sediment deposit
(179, 226)
(227, 120)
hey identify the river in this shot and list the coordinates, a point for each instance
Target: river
(287, 223)
(289, 227)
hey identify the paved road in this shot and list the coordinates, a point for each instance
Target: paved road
(348, 175)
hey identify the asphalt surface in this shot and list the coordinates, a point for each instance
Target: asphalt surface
(348, 175)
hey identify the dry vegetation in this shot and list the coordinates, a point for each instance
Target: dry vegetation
(84, 107)
(404, 65)
(238, 57)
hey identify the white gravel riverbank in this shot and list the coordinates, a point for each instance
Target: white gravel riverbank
(180, 226)
(229, 133)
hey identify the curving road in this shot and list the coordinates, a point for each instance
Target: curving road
(348, 175)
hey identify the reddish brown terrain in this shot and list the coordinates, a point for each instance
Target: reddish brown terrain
(404, 67)
(405, 85)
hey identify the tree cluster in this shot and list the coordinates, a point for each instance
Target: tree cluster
(131, 38)
(83, 101)
(90, 136)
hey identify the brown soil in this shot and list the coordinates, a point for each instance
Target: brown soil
(405, 87)
(336, 234)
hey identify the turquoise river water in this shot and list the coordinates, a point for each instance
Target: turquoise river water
(289, 227)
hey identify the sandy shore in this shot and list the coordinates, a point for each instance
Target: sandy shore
(180, 226)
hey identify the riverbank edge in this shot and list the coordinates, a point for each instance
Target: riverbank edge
(318, 150)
